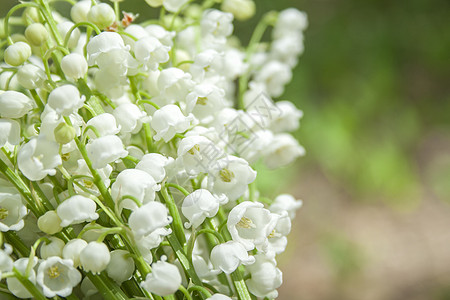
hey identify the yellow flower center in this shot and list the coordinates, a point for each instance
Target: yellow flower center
(202, 100)
(53, 272)
(3, 213)
(226, 175)
(87, 183)
(245, 222)
(65, 156)
(193, 149)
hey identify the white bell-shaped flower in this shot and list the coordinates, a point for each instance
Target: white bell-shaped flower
(136, 183)
(74, 66)
(174, 84)
(129, 117)
(66, 100)
(205, 101)
(104, 123)
(231, 176)
(266, 277)
(199, 205)
(15, 104)
(14, 285)
(217, 23)
(9, 132)
(204, 270)
(154, 164)
(30, 76)
(207, 64)
(285, 203)
(12, 210)
(168, 121)
(283, 150)
(77, 209)
(103, 43)
(57, 276)
(277, 238)
(72, 250)
(197, 154)
(150, 52)
(159, 32)
(250, 224)
(287, 119)
(95, 257)
(275, 75)
(53, 248)
(149, 218)
(105, 150)
(38, 158)
(121, 266)
(63, 29)
(229, 256)
(165, 279)
(289, 20)
(49, 222)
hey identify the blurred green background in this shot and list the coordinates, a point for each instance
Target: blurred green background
(374, 84)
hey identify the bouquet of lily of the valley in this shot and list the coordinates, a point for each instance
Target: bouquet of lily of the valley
(127, 148)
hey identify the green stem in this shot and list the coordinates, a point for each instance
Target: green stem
(240, 286)
(9, 14)
(200, 289)
(178, 187)
(177, 224)
(185, 292)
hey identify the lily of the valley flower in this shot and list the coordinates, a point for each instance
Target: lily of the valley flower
(199, 205)
(95, 257)
(135, 183)
(57, 276)
(229, 256)
(168, 121)
(77, 209)
(164, 279)
(250, 224)
(231, 176)
(39, 158)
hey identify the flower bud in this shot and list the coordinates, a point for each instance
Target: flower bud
(31, 14)
(74, 65)
(54, 248)
(241, 9)
(102, 15)
(154, 3)
(17, 54)
(80, 10)
(121, 266)
(64, 133)
(49, 222)
(30, 76)
(36, 34)
(95, 257)
(72, 250)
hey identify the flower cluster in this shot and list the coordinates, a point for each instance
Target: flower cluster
(128, 149)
